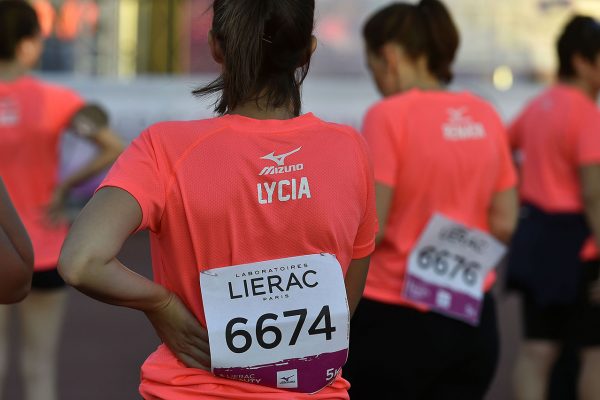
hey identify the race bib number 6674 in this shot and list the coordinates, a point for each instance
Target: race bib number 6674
(280, 323)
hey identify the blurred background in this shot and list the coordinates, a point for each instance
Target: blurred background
(141, 58)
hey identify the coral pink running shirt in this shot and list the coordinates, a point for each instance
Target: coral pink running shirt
(33, 115)
(557, 134)
(441, 152)
(233, 190)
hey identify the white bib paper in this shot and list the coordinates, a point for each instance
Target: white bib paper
(280, 323)
(448, 266)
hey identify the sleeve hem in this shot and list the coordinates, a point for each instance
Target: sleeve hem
(363, 251)
(385, 180)
(589, 161)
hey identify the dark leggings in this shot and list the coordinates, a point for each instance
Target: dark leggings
(401, 353)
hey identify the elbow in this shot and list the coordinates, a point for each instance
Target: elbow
(72, 267)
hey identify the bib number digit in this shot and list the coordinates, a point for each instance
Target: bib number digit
(471, 273)
(328, 329)
(441, 262)
(426, 257)
(230, 335)
(302, 317)
(260, 332)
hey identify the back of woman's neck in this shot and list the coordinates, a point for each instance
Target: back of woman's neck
(583, 87)
(11, 71)
(258, 111)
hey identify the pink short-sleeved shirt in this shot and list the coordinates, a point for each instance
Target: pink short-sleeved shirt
(33, 115)
(441, 152)
(234, 190)
(557, 134)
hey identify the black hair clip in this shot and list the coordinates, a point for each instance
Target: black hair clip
(268, 39)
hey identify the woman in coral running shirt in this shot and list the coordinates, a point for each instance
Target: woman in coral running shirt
(558, 135)
(446, 200)
(33, 116)
(261, 224)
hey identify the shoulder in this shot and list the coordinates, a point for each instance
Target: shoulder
(393, 104)
(56, 91)
(484, 107)
(342, 133)
(171, 139)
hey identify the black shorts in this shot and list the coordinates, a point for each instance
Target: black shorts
(401, 353)
(543, 262)
(577, 323)
(47, 280)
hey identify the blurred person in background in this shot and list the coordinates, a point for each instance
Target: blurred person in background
(558, 139)
(259, 183)
(33, 116)
(16, 253)
(61, 28)
(446, 196)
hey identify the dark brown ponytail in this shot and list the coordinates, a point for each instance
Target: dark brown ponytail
(266, 46)
(426, 29)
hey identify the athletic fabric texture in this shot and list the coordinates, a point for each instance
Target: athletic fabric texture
(203, 190)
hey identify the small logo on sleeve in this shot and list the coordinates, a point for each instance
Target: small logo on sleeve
(287, 379)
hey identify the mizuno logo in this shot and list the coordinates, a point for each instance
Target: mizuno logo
(281, 168)
(287, 379)
(280, 159)
(457, 114)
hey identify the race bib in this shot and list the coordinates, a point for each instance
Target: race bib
(447, 269)
(281, 323)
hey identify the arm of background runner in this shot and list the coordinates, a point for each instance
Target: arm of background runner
(503, 215)
(16, 253)
(384, 195)
(91, 123)
(356, 277)
(590, 187)
(88, 262)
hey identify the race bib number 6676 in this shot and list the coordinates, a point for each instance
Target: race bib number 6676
(280, 323)
(448, 266)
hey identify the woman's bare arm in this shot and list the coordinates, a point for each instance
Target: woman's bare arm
(16, 253)
(88, 262)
